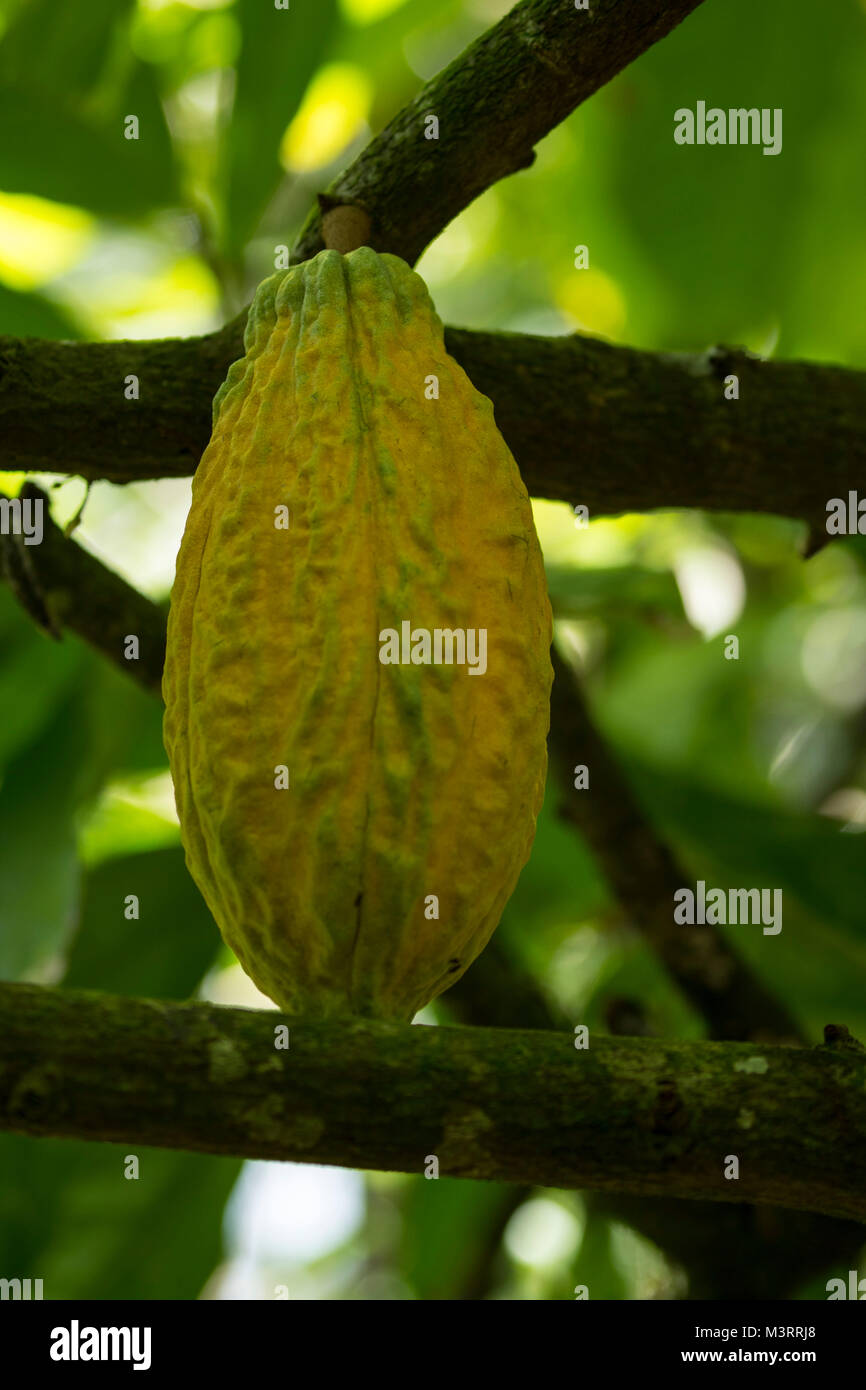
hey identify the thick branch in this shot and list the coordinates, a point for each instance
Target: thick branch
(623, 430)
(611, 427)
(625, 1115)
(517, 82)
(492, 994)
(727, 1252)
(63, 408)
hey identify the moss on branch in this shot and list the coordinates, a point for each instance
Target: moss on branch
(624, 1115)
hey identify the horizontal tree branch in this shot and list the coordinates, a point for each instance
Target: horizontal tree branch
(610, 427)
(625, 1115)
(63, 407)
(494, 102)
(783, 1249)
(613, 428)
(744, 1251)
(493, 994)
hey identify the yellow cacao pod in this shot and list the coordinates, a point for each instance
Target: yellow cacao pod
(356, 812)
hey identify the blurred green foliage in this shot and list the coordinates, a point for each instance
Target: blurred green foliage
(244, 113)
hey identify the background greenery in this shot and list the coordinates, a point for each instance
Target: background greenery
(753, 770)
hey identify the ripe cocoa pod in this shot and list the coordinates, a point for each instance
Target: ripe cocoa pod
(371, 881)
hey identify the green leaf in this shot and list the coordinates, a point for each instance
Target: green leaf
(760, 846)
(452, 1229)
(280, 51)
(60, 155)
(164, 953)
(68, 79)
(70, 1217)
(80, 720)
(149, 159)
(30, 661)
(27, 315)
(38, 860)
(62, 43)
(748, 242)
(577, 592)
(124, 724)
(595, 1265)
(559, 886)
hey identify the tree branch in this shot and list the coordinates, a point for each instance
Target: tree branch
(497, 99)
(63, 409)
(780, 1256)
(60, 581)
(644, 877)
(78, 591)
(610, 427)
(746, 1251)
(491, 994)
(625, 1115)
(613, 428)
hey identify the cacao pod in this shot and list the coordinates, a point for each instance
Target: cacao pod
(409, 783)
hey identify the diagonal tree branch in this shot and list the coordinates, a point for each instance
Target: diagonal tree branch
(624, 1115)
(70, 588)
(506, 91)
(644, 877)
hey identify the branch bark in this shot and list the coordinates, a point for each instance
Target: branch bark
(625, 1115)
(587, 422)
(610, 427)
(745, 1252)
(62, 586)
(63, 409)
(518, 81)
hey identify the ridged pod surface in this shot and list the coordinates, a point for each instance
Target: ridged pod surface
(405, 780)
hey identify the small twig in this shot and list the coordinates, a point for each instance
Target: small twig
(837, 1036)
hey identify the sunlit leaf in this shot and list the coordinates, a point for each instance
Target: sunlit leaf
(280, 51)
